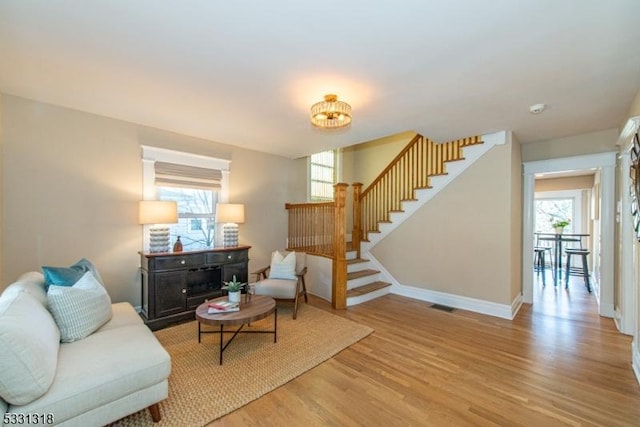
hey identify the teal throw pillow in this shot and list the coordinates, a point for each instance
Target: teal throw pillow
(85, 265)
(68, 276)
(61, 276)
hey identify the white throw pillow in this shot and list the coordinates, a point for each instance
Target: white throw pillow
(79, 309)
(283, 267)
(29, 343)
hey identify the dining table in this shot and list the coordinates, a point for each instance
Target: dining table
(557, 240)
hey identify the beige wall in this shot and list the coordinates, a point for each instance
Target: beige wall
(370, 158)
(589, 143)
(634, 110)
(72, 181)
(475, 222)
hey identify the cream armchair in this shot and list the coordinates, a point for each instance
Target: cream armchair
(284, 278)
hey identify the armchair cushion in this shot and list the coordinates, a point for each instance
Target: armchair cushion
(283, 267)
(277, 288)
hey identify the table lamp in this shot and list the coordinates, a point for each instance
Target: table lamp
(231, 215)
(158, 214)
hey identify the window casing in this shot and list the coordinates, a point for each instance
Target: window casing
(197, 183)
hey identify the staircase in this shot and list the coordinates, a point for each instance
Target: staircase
(364, 282)
(366, 278)
(418, 173)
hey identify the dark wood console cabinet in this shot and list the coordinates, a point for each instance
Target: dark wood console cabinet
(174, 284)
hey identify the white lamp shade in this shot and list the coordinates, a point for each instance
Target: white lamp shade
(157, 212)
(230, 213)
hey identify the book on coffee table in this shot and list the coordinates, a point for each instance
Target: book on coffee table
(223, 307)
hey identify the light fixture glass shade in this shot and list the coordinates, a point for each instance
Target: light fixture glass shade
(230, 213)
(157, 213)
(330, 113)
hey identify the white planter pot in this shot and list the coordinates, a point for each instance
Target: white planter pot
(559, 230)
(234, 296)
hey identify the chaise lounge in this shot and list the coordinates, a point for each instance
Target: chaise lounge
(117, 370)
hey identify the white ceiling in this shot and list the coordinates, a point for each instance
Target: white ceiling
(245, 72)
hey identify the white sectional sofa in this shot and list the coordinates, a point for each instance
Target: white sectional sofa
(117, 370)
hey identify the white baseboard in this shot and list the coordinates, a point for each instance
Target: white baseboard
(504, 311)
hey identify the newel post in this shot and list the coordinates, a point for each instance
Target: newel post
(356, 233)
(339, 279)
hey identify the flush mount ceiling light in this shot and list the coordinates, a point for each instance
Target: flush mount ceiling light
(330, 113)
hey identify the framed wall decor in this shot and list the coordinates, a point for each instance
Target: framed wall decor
(634, 173)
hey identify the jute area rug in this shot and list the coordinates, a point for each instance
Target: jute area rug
(200, 390)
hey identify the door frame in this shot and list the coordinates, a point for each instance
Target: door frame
(627, 314)
(606, 163)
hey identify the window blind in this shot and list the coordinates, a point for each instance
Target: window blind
(176, 175)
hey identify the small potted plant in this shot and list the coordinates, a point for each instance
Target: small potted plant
(233, 287)
(560, 225)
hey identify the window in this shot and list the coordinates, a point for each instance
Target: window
(196, 183)
(196, 216)
(549, 211)
(322, 175)
(556, 206)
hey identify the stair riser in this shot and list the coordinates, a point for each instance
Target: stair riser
(367, 297)
(361, 281)
(358, 267)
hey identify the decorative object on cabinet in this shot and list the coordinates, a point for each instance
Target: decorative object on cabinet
(231, 214)
(177, 246)
(174, 284)
(158, 213)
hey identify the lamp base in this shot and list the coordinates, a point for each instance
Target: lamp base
(158, 239)
(230, 233)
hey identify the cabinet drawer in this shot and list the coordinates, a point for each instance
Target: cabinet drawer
(170, 262)
(226, 257)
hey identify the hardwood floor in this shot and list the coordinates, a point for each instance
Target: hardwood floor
(558, 363)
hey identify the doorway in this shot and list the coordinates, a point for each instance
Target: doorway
(605, 164)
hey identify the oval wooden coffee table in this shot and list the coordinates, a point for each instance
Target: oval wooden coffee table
(255, 308)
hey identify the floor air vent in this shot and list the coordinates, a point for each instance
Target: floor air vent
(442, 307)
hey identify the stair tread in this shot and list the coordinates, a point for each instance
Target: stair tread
(362, 273)
(368, 288)
(356, 261)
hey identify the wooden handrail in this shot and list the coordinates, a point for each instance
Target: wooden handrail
(320, 229)
(409, 171)
(310, 228)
